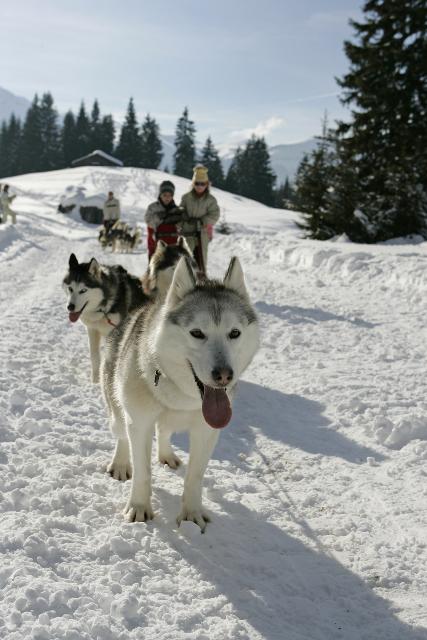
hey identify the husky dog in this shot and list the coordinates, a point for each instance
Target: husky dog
(162, 265)
(101, 297)
(120, 237)
(174, 364)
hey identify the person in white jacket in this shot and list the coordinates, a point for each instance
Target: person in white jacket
(111, 210)
(6, 199)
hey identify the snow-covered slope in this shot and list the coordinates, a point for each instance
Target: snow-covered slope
(317, 489)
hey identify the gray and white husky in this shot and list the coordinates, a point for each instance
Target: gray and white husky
(174, 365)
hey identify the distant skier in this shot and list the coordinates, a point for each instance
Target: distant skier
(111, 211)
(200, 211)
(6, 199)
(161, 218)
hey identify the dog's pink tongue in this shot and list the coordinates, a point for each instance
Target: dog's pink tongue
(74, 316)
(216, 408)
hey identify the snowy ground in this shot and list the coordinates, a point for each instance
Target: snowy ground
(318, 488)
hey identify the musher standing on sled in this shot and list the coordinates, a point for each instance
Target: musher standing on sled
(111, 211)
(161, 218)
(200, 210)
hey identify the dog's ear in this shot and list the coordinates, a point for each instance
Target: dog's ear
(182, 283)
(234, 278)
(94, 269)
(183, 244)
(73, 263)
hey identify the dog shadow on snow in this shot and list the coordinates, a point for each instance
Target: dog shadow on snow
(287, 418)
(281, 586)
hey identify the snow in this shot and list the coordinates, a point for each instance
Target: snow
(317, 488)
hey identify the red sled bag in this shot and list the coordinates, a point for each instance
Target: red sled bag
(166, 232)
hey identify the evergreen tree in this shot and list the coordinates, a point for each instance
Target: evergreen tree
(69, 144)
(151, 145)
(313, 183)
(284, 195)
(10, 147)
(211, 160)
(185, 148)
(129, 147)
(256, 175)
(107, 134)
(95, 127)
(32, 141)
(232, 181)
(83, 133)
(51, 144)
(386, 139)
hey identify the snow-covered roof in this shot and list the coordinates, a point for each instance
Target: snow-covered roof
(104, 155)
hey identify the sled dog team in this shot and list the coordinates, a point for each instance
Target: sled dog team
(176, 343)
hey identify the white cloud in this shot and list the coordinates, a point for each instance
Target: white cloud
(262, 129)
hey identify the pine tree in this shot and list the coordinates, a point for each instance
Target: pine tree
(129, 147)
(211, 160)
(107, 134)
(313, 182)
(256, 175)
(185, 147)
(232, 181)
(95, 127)
(32, 142)
(151, 145)
(50, 134)
(10, 147)
(386, 138)
(83, 133)
(284, 195)
(69, 144)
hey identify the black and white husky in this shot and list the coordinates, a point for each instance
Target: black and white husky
(174, 365)
(102, 296)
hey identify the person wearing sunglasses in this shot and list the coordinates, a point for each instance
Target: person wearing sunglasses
(200, 209)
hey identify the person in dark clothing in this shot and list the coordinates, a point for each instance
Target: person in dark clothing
(162, 217)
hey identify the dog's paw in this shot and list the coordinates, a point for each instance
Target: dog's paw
(198, 516)
(120, 472)
(135, 512)
(170, 459)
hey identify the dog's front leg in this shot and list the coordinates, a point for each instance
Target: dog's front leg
(140, 427)
(202, 442)
(95, 352)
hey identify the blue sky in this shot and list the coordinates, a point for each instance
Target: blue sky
(241, 66)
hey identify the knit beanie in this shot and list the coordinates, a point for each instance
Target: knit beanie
(200, 174)
(167, 187)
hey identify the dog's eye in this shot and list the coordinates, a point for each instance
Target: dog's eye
(196, 333)
(234, 333)
(82, 290)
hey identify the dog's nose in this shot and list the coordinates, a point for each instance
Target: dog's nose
(222, 375)
(71, 307)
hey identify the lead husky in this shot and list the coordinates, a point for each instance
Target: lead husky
(174, 364)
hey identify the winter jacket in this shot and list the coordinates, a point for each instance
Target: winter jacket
(199, 212)
(111, 209)
(205, 209)
(157, 213)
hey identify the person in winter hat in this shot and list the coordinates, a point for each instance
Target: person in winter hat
(200, 210)
(6, 199)
(161, 218)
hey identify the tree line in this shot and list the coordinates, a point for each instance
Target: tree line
(43, 142)
(367, 177)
